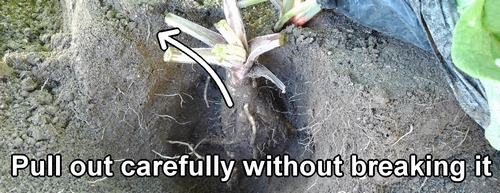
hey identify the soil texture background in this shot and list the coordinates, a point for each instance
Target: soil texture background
(86, 79)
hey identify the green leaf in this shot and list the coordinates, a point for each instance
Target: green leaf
(475, 49)
(491, 16)
(462, 5)
(492, 132)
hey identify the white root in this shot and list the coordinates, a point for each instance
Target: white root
(205, 91)
(190, 147)
(411, 129)
(170, 117)
(254, 129)
(176, 94)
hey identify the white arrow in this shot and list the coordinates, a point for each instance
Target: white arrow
(165, 37)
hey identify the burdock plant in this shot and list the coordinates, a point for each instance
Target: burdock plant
(254, 126)
(229, 48)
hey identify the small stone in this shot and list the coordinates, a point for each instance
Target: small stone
(67, 96)
(45, 132)
(300, 39)
(120, 16)
(51, 110)
(39, 144)
(28, 32)
(380, 97)
(40, 154)
(17, 142)
(329, 53)
(110, 14)
(24, 94)
(60, 41)
(43, 97)
(13, 45)
(55, 120)
(37, 133)
(16, 61)
(33, 59)
(131, 26)
(28, 84)
(38, 119)
(4, 106)
(30, 141)
(335, 42)
(45, 38)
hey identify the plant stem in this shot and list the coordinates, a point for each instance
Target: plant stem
(309, 5)
(277, 4)
(228, 33)
(286, 6)
(233, 17)
(303, 17)
(199, 32)
(230, 53)
(174, 55)
(246, 3)
(261, 71)
(262, 44)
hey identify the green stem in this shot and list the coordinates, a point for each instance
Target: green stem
(262, 44)
(174, 55)
(230, 53)
(233, 17)
(227, 32)
(277, 4)
(307, 5)
(307, 15)
(199, 32)
(246, 3)
(286, 6)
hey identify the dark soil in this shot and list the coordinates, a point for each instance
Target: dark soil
(94, 84)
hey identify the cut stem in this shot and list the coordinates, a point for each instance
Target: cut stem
(228, 33)
(286, 6)
(174, 55)
(230, 53)
(233, 17)
(246, 3)
(261, 71)
(262, 44)
(199, 32)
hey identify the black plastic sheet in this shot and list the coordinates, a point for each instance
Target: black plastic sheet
(428, 25)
